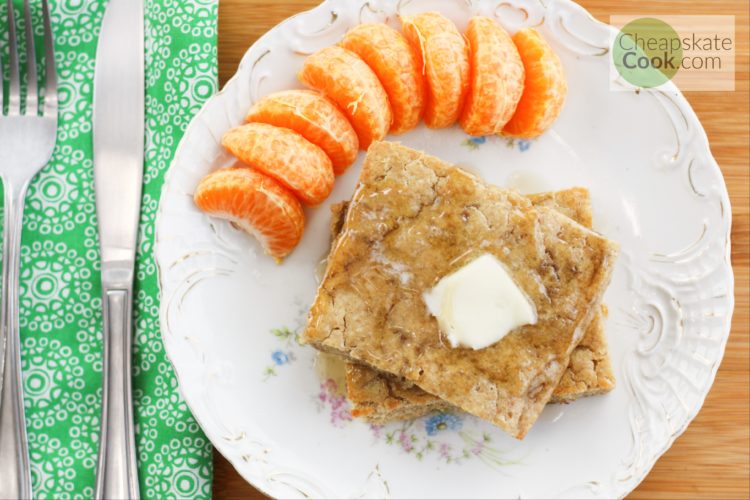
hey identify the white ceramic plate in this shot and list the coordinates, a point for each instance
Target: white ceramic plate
(229, 314)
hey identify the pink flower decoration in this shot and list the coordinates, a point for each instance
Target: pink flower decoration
(405, 442)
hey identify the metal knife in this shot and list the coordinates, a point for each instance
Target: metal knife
(118, 174)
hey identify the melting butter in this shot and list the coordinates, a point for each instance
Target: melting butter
(331, 367)
(320, 270)
(479, 304)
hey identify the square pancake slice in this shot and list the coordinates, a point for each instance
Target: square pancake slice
(414, 219)
(380, 398)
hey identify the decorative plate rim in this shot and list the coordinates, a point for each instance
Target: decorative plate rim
(678, 100)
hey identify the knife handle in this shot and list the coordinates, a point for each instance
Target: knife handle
(117, 469)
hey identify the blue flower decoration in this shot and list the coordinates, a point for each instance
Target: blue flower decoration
(280, 358)
(441, 422)
(473, 143)
(524, 145)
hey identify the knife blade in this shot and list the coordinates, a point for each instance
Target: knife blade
(118, 135)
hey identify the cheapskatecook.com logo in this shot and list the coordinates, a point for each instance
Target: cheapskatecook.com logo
(648, 52)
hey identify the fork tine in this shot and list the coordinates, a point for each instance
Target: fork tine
(50, 87)
(14, 96)
(32, 97)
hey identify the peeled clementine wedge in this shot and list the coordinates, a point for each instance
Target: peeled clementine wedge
(315, 118)
(444, 58)
(394, 62)
(345, 79)
(544, 88)
(497, 77)
(257, 204)
(285, 155)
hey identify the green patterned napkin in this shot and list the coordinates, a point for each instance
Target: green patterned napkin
(60, 292)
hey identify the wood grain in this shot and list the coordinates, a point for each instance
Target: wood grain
(712, 458)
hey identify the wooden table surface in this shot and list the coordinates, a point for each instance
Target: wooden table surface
(711, 459)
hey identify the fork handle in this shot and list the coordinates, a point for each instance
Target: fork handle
(117, 472)
(15, 472)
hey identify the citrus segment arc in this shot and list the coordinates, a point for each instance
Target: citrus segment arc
(315, 118)
(394, 62)
(256, 203)
(285, 155)
(544, 87)
(444, 57)
(349, 82)
(497, 78)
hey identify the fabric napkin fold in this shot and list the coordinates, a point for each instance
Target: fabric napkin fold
(61, 324)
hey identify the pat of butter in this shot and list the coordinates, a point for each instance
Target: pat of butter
(479, 304)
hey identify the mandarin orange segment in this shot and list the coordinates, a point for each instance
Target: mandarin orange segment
(349, 82)
(285, 155)
(398, 68)
(444, 57)
(315, 118)
(256, 203)
(544, 90)
(497, 77)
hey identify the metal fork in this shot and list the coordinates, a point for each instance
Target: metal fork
(27, 139)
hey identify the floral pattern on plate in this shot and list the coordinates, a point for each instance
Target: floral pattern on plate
(439, 434)
(331, 398)
(283, 356)
(474, 143)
